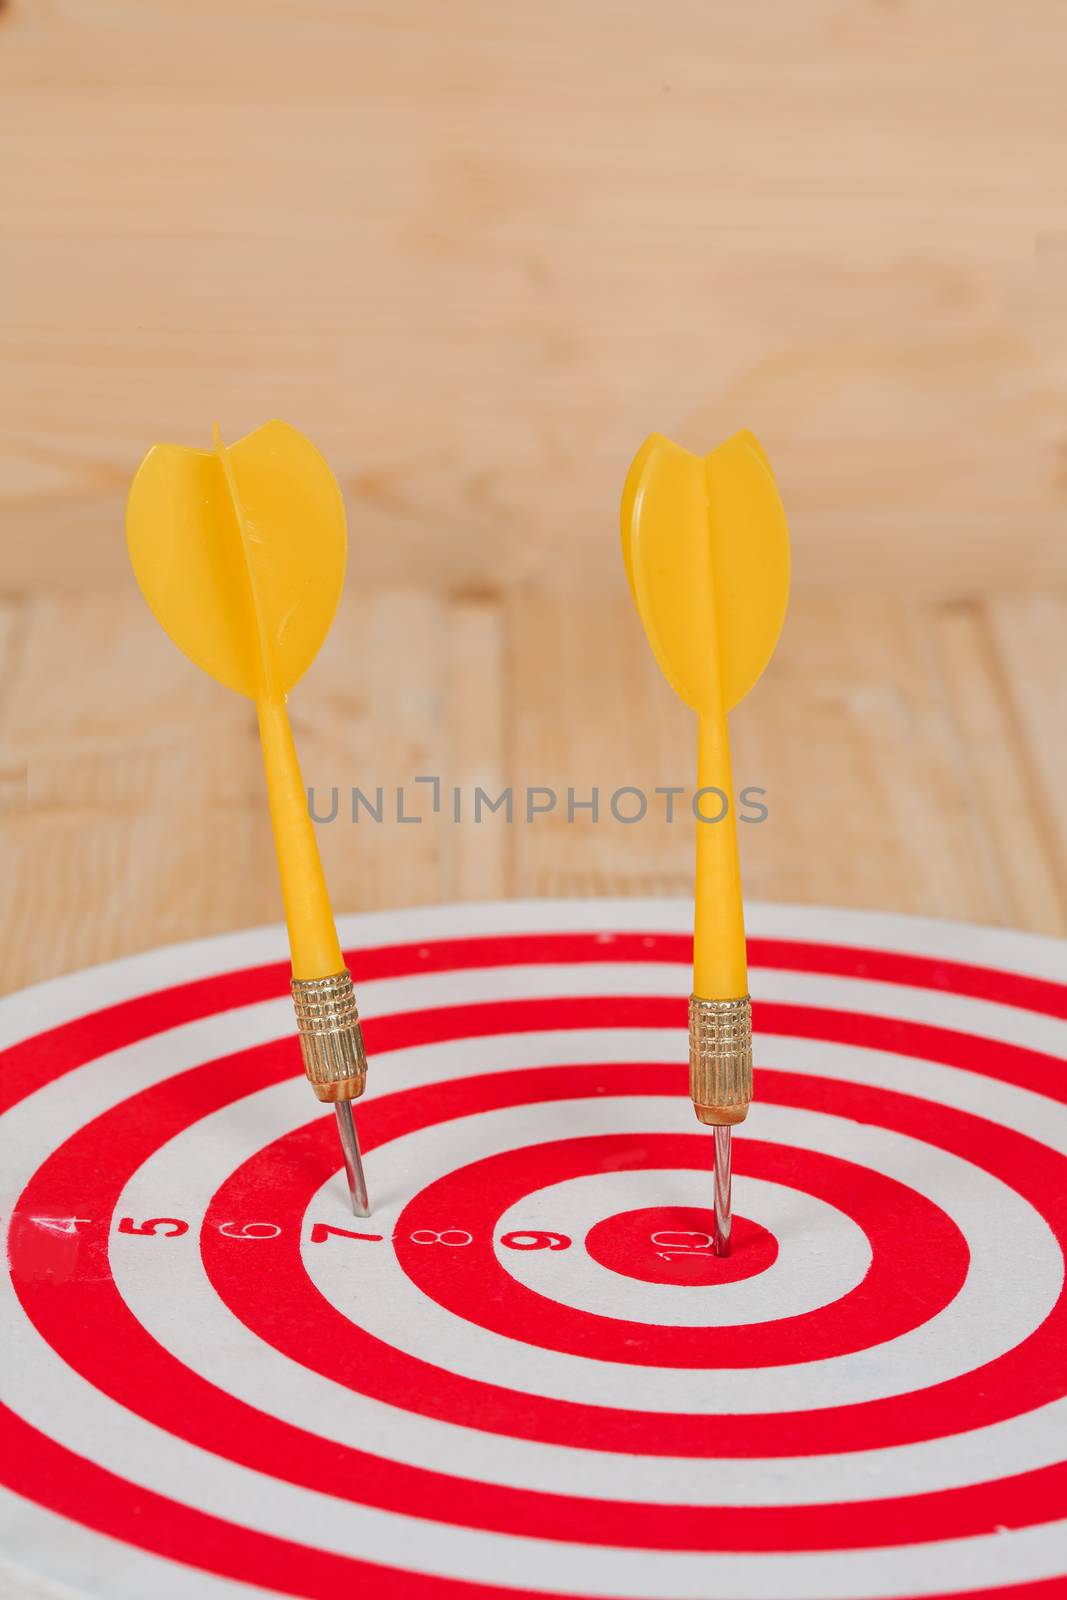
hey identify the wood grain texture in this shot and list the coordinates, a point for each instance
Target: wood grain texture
(911, 758)
(477, 252)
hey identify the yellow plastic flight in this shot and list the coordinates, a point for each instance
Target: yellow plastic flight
(706, 549)
(240, 552)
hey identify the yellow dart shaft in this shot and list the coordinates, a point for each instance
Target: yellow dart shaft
(720, 971)
(313, 942)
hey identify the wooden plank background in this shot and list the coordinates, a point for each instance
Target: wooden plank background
(478, 251)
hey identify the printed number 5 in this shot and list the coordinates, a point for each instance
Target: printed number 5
(169, 1227)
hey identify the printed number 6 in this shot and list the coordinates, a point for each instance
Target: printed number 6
(245, 1230)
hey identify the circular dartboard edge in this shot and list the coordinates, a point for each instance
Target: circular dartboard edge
(527, 1375)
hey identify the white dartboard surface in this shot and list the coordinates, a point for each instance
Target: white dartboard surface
(527, 1375)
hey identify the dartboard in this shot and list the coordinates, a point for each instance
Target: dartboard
(527, 1374)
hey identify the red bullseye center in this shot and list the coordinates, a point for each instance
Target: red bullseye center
(674, 1244)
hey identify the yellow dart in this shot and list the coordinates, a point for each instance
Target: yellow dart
(240, 553)
(706, 549)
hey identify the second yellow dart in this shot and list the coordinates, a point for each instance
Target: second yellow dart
(240, 552)
(706, 548)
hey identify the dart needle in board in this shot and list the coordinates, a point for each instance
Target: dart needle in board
(706, 549)
(240, 553)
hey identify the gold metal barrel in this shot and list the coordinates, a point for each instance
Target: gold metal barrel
(720, 1059)
(331, 1039)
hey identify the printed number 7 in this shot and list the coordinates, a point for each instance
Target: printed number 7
(321, 1231)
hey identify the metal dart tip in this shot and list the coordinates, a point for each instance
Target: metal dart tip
(357, 1181)
(723, 1213)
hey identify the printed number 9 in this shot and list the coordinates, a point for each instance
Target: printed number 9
(536, 1241)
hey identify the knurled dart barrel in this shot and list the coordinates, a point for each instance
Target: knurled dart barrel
(720, 1059)
(331, 1039)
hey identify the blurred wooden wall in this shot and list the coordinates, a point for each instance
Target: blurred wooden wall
(478, 250)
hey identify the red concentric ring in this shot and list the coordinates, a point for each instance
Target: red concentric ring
(143, 1376)
(1027, 1376)
(1043, 1492)
(898, 1293)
